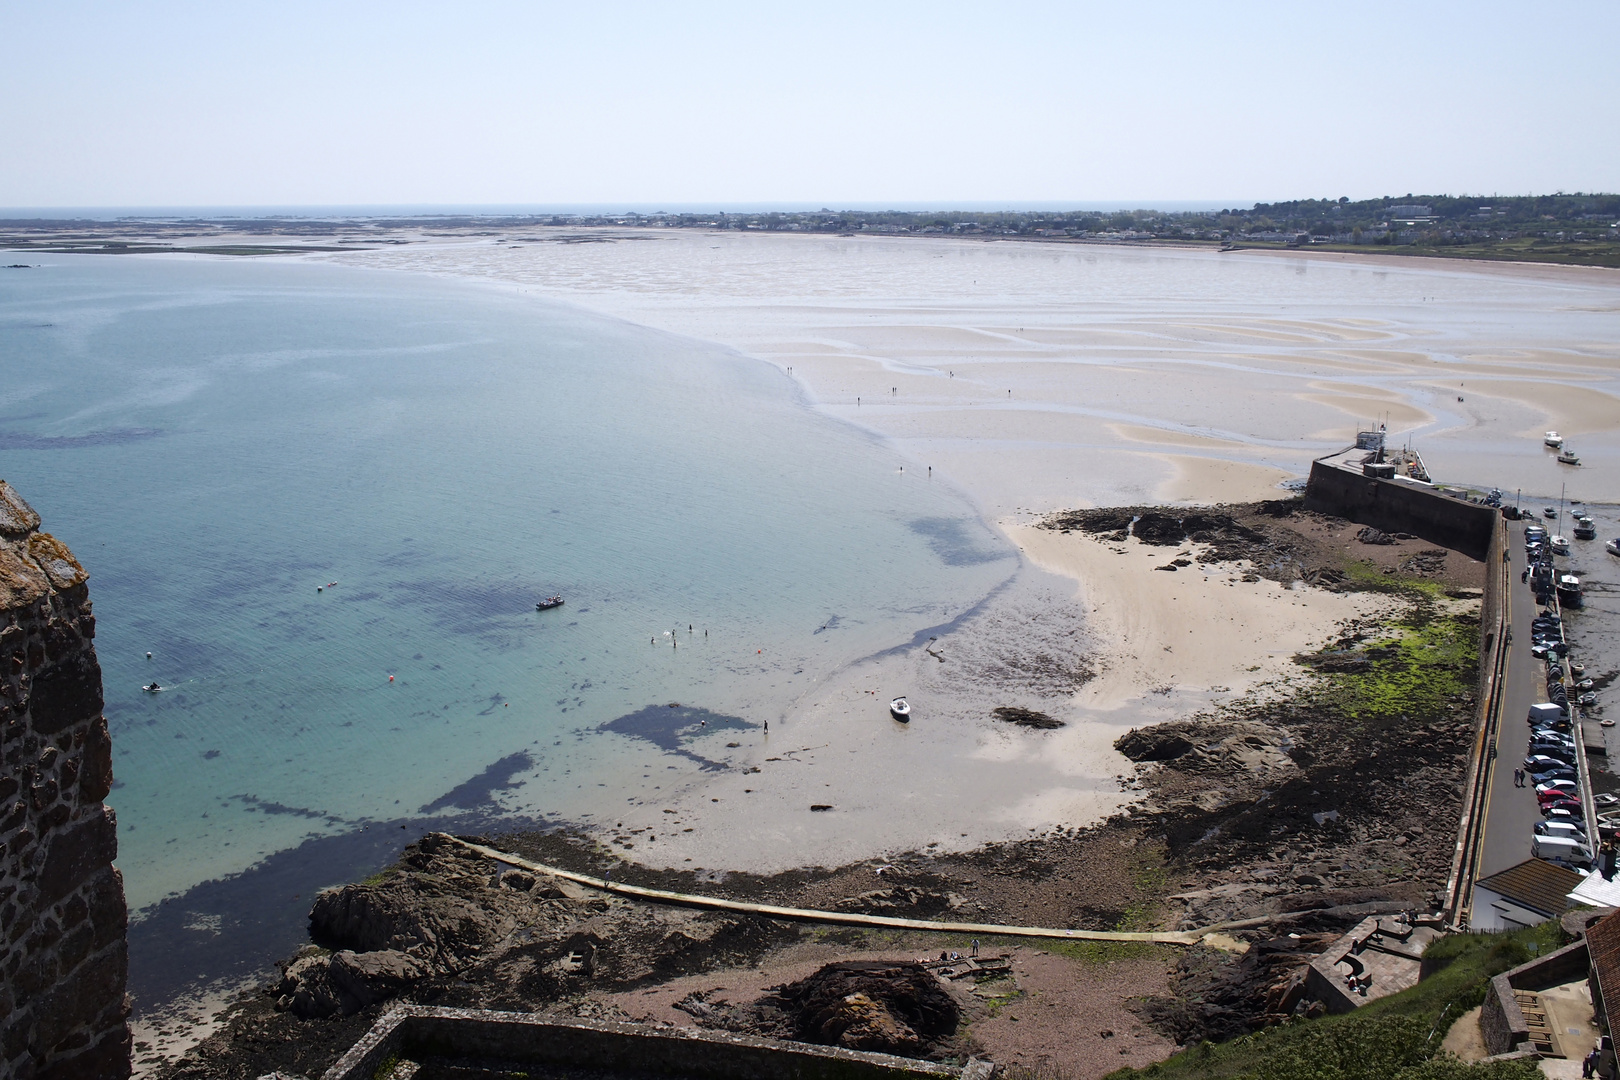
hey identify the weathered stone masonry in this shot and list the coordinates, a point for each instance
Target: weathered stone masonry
(63, 954)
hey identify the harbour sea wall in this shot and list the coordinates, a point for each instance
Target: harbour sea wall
(63, 951)
(1396, 507)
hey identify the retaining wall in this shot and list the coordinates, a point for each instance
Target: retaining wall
(1396, 507)
(1501, 1021)
(413, 1032)
(63, 955)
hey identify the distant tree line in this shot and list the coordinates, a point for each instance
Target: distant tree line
(1407, 219)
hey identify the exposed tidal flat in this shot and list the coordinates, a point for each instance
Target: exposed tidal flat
(1043, 376)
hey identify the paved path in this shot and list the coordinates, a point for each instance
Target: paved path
(1511, 814)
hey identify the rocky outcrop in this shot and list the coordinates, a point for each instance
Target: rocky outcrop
(449, 927)
(883, 1006)
(63, 955)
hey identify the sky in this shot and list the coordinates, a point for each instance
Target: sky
(479, 102)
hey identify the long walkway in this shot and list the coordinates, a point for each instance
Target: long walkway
(1511, 812)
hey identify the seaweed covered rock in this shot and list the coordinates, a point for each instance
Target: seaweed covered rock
(1027, 718)
(892, 1007)
(1153, 744)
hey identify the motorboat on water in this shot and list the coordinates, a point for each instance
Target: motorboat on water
(548, 603)
(153, 688)
(900, 709)
(1567, 456)
(1553, 439)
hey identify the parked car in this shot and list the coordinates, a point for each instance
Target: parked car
(1552, 787)
(1542, 762)
(1559, 813)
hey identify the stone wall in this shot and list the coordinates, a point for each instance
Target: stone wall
(1396, 507)
(1502, 1022)
(422, 1033)
(63, 955)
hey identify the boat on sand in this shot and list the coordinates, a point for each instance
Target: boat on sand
(900, 709)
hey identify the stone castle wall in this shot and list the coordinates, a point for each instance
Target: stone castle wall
(63, 954)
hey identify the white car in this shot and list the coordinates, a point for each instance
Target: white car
(1558, 785)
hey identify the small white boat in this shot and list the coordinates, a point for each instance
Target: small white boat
(153, 688)
(900, 709)
(1559, 545)
(1613, 546)
(1553, 439)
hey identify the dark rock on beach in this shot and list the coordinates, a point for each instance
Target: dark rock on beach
(1029, 718)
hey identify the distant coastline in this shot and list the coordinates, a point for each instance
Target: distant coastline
(1572, 230)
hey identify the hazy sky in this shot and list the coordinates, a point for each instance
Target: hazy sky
(219, 103)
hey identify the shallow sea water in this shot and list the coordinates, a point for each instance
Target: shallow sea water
(216, 439)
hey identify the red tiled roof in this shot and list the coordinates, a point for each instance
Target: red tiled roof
(1603, 946)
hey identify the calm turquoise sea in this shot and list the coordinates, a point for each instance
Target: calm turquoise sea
(216, 439)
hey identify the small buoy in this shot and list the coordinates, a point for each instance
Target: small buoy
(319, 589)
(390, 678)
(506, 704)
(149, 656)
(759, 650)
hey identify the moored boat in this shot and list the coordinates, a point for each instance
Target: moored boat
(1553, 439)
(1569, 590)
(548, 603)
(1567, 456)
(900, 709)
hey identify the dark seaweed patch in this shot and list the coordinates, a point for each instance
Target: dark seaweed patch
(956, 541)
(479, 792)
(21, 440)
(670, 727)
